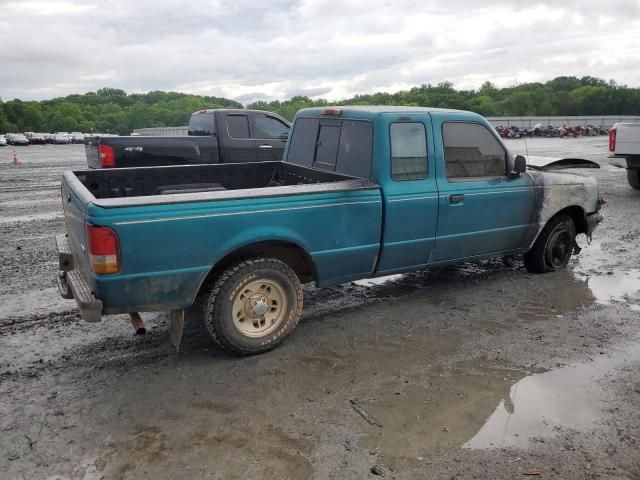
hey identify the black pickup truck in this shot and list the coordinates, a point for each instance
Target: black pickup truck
(215, 136)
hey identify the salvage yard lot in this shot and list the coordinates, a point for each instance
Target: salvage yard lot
(474, 371)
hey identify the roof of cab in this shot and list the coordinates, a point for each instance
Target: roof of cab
(364, 111)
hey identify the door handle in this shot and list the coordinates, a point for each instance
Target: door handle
(456, 198)
(265, 147)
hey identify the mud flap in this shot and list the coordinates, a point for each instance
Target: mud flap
(176, 326)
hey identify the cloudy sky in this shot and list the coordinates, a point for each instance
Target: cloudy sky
(253, 49)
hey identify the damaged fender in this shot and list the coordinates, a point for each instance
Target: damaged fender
(556, 190)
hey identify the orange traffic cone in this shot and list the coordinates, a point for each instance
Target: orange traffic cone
(16, 160)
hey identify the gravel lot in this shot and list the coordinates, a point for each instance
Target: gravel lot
(475, 371)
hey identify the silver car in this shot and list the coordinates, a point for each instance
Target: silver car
(61, 137)
(3, 141)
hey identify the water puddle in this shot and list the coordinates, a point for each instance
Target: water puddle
(609, 284)
(539, 405)
(615, 288)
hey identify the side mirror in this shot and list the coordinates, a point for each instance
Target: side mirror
(519, 165)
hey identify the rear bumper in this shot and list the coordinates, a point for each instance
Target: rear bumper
(71, 283)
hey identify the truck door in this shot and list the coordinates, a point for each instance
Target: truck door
(410, 192)
(481, 209)
(271, 135)
(238, 145)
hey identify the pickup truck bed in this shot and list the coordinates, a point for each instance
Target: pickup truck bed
(216, 181)
(172, 237)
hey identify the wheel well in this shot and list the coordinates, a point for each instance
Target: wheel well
(290, 253)
(577, 214)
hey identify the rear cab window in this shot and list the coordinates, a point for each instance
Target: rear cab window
(335, 145)
(202, 123)
(471, 151)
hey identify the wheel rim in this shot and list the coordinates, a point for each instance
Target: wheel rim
(259, 308)
(559, 249)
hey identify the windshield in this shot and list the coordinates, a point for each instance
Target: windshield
(202, 124)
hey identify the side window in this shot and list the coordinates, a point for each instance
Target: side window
(471, 151)
(238, 126)
(354, 150)
(408, 151)
(270, 127)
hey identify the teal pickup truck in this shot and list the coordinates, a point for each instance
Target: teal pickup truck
(361, 192)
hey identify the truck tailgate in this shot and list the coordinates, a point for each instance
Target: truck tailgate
(628, 139)
(74, 202)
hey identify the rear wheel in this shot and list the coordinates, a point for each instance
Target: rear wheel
(633, 176)
(253, 306)
(553, 248)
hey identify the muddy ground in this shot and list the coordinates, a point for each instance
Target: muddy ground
(476, 371)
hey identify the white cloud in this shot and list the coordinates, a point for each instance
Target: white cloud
(274, 49)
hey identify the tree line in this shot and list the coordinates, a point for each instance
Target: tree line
(563, 96)
(108, 110)
(111, 110)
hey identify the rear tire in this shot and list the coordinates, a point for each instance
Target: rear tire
(253, 306)
(553, 248)
(633, 176)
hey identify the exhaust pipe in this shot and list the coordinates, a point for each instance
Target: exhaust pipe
(137, 323)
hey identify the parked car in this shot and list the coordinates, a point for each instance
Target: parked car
(3, 141)
(361, 192)
(215, 136)
(624, 143)
(60, 137)
(17, 139)
(76, 137)
(36, 138)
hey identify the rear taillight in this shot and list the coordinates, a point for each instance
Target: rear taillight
(107, 157)
(612, 140)
(103, 248)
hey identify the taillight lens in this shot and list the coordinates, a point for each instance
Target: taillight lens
(107, 156)
(612, 140)
(104, 250)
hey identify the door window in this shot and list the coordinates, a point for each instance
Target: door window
(408, 151)
(471, 151)
(238, 126)
(270, 127)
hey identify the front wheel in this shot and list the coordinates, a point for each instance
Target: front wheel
(553, 248)
(633, 176)
(253, 306)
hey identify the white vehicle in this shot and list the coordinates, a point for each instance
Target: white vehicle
(60, 137)
(3, 141)
(76, 137)
(624, 142)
